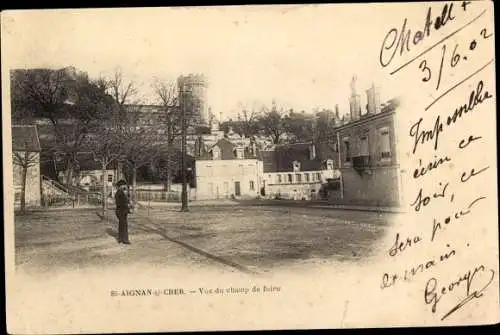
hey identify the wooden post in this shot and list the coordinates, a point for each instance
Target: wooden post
(104, 190)
(184, 198)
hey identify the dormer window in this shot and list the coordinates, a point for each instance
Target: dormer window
(215, 152)
(329, 164)
(296, 166)
(239, 153)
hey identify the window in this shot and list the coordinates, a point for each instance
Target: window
(298, 177)
(278, 179)
(306, 177)
(329, 164)
(384, 143)
(239, 153)
(363, 146)
(347, 147)
(252, 186)
(318, 176)
(215, 153)
(289, 176)
(110, 178)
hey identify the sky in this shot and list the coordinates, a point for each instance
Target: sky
(303, 57)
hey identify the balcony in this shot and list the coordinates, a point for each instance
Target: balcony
(361, 163)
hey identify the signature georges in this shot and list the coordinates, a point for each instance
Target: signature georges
(434, 292)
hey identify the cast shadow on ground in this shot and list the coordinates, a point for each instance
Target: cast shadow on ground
(112, 233)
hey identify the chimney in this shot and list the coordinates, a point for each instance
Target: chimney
(337, 112)
(373, 100)
(355, 107)
(312, 151)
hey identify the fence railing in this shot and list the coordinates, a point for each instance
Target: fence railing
(157, 195)
(58, 200)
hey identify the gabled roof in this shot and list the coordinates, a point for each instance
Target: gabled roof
(25, 138)
(226, 148)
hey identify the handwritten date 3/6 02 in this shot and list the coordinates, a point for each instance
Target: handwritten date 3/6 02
(470, 284)
(450, 61)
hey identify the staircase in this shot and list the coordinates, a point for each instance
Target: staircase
(52, 187)
(55, 194)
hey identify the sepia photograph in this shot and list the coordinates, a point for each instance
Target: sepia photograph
(249, 167)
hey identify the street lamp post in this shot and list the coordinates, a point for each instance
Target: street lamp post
(184, 197)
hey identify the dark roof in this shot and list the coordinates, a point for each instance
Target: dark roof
(282, 157)
(324, 151)
(226, 148)
(25, 138)
(269, 161)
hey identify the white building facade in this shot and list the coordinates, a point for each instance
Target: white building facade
(228, 178)
(298, 171)
(227, 170)
(297, 185)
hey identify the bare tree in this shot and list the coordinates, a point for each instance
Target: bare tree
(171, 118)
(273, 123)
(138, 143)
(124, 93)
(247, 123)
(106, 148)
(69, 100)
(24, 160)
(300, 126)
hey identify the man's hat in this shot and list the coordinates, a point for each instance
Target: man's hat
(120, 183)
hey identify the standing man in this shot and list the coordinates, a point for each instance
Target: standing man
(122, 210)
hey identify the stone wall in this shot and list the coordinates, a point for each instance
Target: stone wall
(373, 187)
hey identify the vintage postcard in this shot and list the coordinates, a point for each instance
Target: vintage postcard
(250, 167)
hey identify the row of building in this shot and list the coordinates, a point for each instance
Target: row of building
(357, 165)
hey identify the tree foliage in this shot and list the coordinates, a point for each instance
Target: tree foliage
(247, 123)
(300, 126)
(171, 118)
(272, 123)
